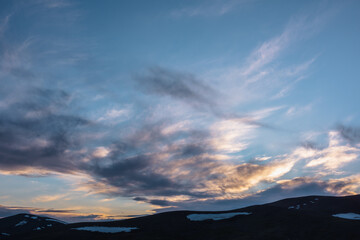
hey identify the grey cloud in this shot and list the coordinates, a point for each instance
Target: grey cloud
(351, 134)
(180, 86)
(136, 175)
(140, 199)
(38, 132)
(309, 145)
(137, 167)
(54, 211)
(157, 202)
(150, 163)
(90, 217)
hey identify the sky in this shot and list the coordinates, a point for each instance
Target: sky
(115, 109)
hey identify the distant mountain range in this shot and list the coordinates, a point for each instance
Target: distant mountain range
(311, 217)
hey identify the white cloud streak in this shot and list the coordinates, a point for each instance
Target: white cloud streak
(211, 8)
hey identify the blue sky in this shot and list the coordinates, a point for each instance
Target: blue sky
(118, 108)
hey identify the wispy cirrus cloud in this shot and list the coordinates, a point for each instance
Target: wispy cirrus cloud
(4, 23)
(187, 88)
(54, 4)
(263, 73)
(211, 8)
(298, 28)
(48, 198)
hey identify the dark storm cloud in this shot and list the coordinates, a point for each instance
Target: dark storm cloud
(351, 134)
(38, 131)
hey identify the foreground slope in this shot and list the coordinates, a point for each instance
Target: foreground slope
(26, 223)
(296, 218)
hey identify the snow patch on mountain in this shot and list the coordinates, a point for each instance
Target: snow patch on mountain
(352, 216)
(106, 229)
(215, 217)
(21, 223)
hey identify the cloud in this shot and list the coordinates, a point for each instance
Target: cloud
(187, 88)
(296, 111)
(54, 211)
(4, 25)
(311, 185)
(15, 62)
(334, 156)
(263, 74)
(287, 188)
(115, 115)
(156, 202)
(167, 163)
(53, 4)
(153, 167)
(297, 29)
(181, 86)
(101, 152)
(211, 8)
(48, 198)
(38, 133)
(351, 134)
